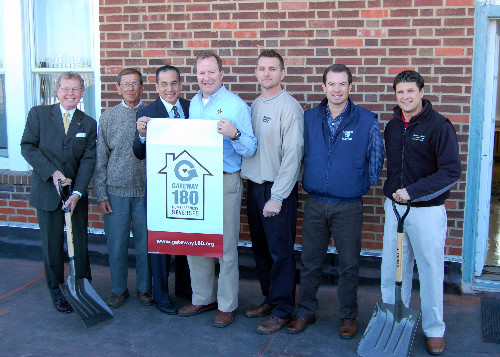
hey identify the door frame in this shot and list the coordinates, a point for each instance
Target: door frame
(484, 14)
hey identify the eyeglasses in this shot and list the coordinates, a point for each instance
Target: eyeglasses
(67, 90)
(166, 84)
(128, 85)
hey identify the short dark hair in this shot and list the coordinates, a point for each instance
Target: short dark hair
(129, 71)
(70, 75)
(273, 54)
(167, 68)
(338, 68)
(408, 77)
(207, 54)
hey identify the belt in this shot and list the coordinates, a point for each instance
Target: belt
(229, 173)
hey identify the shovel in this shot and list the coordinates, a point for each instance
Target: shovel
(391, 329)
(79, 293)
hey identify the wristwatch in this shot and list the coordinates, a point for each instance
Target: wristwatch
(237, 136)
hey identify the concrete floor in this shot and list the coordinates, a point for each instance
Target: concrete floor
(30, 326)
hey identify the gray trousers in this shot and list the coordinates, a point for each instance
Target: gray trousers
(344, 221)
(117, 229)
(52, 236)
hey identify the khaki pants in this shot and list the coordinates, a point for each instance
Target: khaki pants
(202, 269)
(424, 238)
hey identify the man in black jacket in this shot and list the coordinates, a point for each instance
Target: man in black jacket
(423, 163)
(167, 105)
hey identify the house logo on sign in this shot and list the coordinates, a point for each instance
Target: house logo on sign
(185, 186)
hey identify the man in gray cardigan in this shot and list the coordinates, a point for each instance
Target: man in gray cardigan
(120, 187)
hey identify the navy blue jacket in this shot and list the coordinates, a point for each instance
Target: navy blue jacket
(154, 110)
(423, 158)
(336, 167)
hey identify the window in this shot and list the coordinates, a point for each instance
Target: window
(3, 115)
(44, 38)
(60, 46)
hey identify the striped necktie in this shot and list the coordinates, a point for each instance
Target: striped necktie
(66, 122)
(176, 113)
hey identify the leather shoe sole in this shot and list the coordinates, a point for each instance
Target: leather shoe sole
(62, 305)
(222, 319)
(299, 324)
(146, 298)
(259, 311)
(116, 301)
(272, 324)
(167, 309)
(435, 346)
(347, 329)
(191, 310)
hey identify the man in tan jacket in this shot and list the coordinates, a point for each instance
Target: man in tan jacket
(272, 173)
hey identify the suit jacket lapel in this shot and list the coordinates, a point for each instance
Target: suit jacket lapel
(162, 111)
(185, 107)
(57, 119)
(75, 125)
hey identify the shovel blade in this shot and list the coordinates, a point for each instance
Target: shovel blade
(85, 301)
(389, 333)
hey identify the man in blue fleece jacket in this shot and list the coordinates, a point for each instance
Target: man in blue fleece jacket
(343, 156)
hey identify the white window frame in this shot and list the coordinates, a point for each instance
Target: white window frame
(19, 90)
(2, 68)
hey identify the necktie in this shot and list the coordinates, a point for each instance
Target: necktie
(66, 122)
(176, 113)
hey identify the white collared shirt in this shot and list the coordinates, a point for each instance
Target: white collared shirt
(71, 112)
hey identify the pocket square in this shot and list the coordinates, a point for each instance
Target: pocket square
(81, 135)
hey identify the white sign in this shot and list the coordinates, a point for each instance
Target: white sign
(184, 187)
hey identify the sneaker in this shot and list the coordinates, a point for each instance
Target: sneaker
(115, 301)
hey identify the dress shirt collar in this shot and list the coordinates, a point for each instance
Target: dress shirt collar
(169, 106)
(71, 112)
(126, 106)
(213, 96)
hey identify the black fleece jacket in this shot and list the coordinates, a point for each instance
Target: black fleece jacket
(423, 158)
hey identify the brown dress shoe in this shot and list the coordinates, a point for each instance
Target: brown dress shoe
(62, 305)
(222, 319)
(347, 328)
(272, 325)
(191, 310)
(299, 324)
(146, 298)
(435, 345)
(115, 301)
(259, 311)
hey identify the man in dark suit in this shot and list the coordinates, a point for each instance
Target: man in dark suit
(59, 142)
(167, 105)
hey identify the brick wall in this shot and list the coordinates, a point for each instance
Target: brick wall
(375, 38)
(14, 201)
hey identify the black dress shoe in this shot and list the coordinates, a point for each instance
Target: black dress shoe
(62, 305)
(167, 309)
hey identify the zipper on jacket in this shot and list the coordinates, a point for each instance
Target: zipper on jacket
(403, 156)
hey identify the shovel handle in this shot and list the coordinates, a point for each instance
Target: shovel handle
(69, 234)
(67, 219)
(399, 249)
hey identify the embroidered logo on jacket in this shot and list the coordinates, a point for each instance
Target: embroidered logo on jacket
(347, 134)
(266, 119)
(417, 137)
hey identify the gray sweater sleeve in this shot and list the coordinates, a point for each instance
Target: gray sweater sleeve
(100, 172)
